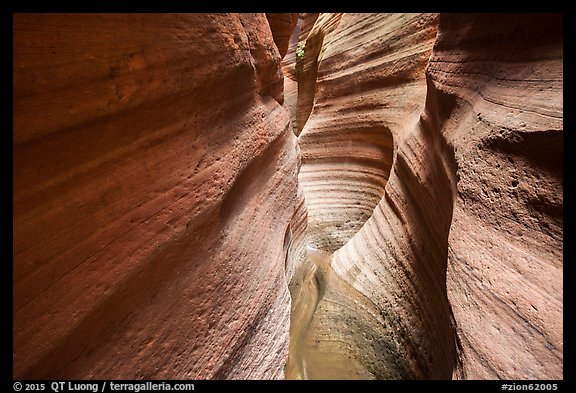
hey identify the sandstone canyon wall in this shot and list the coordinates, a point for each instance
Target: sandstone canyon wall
(432, 173)
(190, 189)
(391, 319)
(497, 82)
(154, 178)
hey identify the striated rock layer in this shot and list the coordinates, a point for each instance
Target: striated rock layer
(497, 82)
(434, 197)
(368, 97)
(282, 26)
(155, 176)
(164, 196)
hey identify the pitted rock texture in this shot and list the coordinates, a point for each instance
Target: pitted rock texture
(457, 271)
(155, 175)
(191, 188)
(498, 79)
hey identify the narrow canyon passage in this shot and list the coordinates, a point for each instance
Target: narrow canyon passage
(287, 196)
(347, 143)
(380, 179)
(336, 332)
(309, 357)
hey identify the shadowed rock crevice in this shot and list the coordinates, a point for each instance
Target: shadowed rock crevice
(472, 202)
(379, 197)
(308, 58)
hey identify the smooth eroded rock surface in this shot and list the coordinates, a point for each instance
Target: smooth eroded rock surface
(435, 178)
(369, 94)
(155, 175)
(498, 81)
(312, 196)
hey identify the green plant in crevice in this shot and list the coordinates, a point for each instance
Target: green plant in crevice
(300, 50)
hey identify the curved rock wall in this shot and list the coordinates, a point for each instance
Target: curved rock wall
(369, 86)
(500, 77)
(370, 92)
(457, 270)
(282, 26)
(149, 216)
(167, 218)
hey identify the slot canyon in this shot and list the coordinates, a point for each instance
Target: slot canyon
(287, 196)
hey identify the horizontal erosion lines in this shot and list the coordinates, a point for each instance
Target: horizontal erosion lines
(505, 54)
(546, 94)
(357, 170)
(473, 96)
(370, 63)
(483, 75)
(342, 189)
(481, 68)
(322, 143)
(356, 191)
(338, 125)
(382, 44)
(347, 161)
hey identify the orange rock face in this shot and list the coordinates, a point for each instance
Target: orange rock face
(433, 182)
(497, 82)
(371, 320)
(313, 196)
(282, 26)
(154, 178)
